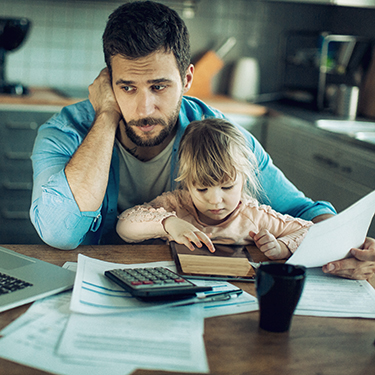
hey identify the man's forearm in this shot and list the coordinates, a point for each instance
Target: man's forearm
(87, 171)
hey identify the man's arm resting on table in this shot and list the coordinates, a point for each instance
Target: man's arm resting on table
(55, 214)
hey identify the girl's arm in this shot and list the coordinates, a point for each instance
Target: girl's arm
(158, 219)
(142, 222)
(277, 235)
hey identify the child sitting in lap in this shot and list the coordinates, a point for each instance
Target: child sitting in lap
(216, 201)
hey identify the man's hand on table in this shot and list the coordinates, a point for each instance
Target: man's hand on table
(360, 266)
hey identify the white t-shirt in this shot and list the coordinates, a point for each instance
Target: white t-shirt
(142, 181)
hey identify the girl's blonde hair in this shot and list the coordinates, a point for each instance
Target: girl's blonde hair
(213, 151)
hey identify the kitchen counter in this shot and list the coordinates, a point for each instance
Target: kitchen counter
(46, 97)
(53, 100)
(308, 118)
(40, 97)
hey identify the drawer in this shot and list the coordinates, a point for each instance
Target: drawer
(17, 141)
(349, 162)
(317, 151)
(15, 208)
(15, 185)
(15, 224)
(18, 129)
(11, 161)
(18, 231)
(24, 120)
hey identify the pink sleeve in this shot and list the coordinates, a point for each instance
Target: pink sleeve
(145, 221)
(291, 231)
(293, 240)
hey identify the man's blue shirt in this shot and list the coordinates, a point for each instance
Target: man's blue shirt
(55, 213)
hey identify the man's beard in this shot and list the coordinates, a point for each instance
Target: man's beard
(164, 133)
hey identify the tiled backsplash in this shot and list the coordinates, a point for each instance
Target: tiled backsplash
(64, 47)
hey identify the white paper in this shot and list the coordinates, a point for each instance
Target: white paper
(33, 338)
(169, 339)
(150, 331)
(93, 293)
(332, 239)
(34, 345)
(58, 302)
(332, 296)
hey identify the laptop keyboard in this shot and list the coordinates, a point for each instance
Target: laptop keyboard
(10, 284)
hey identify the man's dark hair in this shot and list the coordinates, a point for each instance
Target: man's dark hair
(140, 28)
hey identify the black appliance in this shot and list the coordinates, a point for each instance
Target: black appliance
(12, 34)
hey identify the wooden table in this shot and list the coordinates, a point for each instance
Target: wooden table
(234, 343)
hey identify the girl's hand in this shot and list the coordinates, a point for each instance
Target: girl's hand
(269, 245)
(187, 234)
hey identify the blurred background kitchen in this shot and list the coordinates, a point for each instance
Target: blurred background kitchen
(300, 75)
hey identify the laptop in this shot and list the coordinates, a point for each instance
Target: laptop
(24, 279)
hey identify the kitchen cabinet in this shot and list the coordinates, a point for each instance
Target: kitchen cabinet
(319, 164)
(352, 3)
(18, 128)
(304, 1)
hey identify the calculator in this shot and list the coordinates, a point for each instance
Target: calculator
(154, 283)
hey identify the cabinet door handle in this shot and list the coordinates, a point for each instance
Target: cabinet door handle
(14, 155)
(22, 125)
(15, 215)
(17, 185)
(328, 162)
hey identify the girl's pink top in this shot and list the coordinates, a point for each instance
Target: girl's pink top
(144, 222)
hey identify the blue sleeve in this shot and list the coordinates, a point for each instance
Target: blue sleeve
(54, 211)
(279, 192)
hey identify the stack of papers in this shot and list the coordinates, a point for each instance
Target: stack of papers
(100, 328)
(332, 296)
(93, 293)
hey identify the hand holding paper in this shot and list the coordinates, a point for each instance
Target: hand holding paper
(332, 239)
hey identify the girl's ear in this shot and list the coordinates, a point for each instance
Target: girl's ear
(188, 80)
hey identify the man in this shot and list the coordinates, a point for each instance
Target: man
(119, 148)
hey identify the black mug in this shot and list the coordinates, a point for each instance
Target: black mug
(279, 287)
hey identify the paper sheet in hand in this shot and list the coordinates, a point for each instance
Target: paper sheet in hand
(332, 239)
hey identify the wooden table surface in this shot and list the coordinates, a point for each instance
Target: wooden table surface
(234, 343)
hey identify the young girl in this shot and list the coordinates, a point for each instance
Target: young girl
(216, 200)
